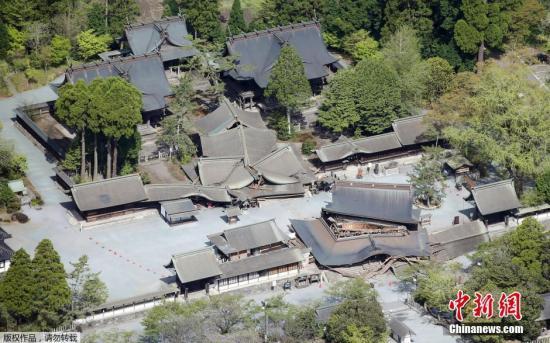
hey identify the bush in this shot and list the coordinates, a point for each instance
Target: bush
(542, 185)
(531, 197)
(145, 178)
(308, 146)
(279, 122)
(8, 199)
(37, 201)
(20, 217)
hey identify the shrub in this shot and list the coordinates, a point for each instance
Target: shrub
(543, 185)
(37, 201)
(20, 217)
(531, 197)
(8, 199)
(308, 147)
(278, 121)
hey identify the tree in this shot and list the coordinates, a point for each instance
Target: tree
(226, 311)
(16, 288)
(12, 165)
(281, 12)
(439, 77)
(86, 287)
(202, 15)
(303, 326)
(73, 109)
(503, 119)
(483, 23)
(175, 130)
(288, 83)
(350, 16)
(543, 185)
(360, 46)
(339, 110)
(4, 41)
(525, 22)
(61, 49)
(51, 293)
(117, 104)
(415, 14)
(236, 23)
(8, 200)
(402, 53)
(358, 307)
(428, 180)
(153, 322)
(517, 261)
(436, 284)
(89, 45)
(379, 99)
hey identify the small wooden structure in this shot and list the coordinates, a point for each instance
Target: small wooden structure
(178, 211)
(458, 165)
(232, 214)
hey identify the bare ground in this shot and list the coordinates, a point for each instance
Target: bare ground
(150, 10)
(164, 172)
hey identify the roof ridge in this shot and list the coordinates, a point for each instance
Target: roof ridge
(107, 180)
(280, 28)
(121, 59)
(493, 184)
(192, 252)
(408, 118)
(285, 147)
(159, 21)
(252, 224)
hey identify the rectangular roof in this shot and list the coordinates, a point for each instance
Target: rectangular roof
(283, 166)
(178, 206)
(496, 197)
(256, 52)
(366, 145)
(166, 192)
(248, 237)
(187, 265)
(107, 193)
(412, 130)
(167, 36)
(277, 258)
(380, 201)
(268, 191)
(146, 72)
(329, 251)
(225, 172)
(457, 240)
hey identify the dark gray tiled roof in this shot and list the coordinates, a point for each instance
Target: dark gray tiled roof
(399, 328)
(457, 240)
(5, 251)
(269, 191)
(257, 52)
(250, 143)
(107, 193)
(496, 197)
(379, 201)
(145, 72)
(3, 234)
(186, 265)
(248, 237)
(331, 252)
(165, 192)
(367, 145)
(411, 130)
(168, 36)
(283, 166)
(227, 172)
(226, 116)
(261, 262)
(190, 170)
(178, 206)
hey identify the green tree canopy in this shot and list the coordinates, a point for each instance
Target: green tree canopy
(339, 110)
(61, 49)
(281, 12)
(203, 16)
(288, 82)
(360, 46)
(439, 75)
(236, 23)
(50, 292)
(427, 178)
(89, 45)
(16, 288)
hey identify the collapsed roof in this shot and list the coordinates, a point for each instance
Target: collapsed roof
(407, 131)
(226, 116)
(248, 237)
(378, 201)
(496, 197)
(117, 191)
(330, 251)
(257, 52)
(145, 72)
(167, 36)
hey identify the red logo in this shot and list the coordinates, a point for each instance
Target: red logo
(508, 305)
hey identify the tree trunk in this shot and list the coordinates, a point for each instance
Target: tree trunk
(83, 154)
(94, 177)
(288, 119)
(480, 55)
(108, 175)
(115, 157)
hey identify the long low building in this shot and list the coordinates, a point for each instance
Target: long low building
(407, 133)
(330, 250)
(457, 240)
(239, 257)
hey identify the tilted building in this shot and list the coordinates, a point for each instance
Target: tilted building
(239, 257)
